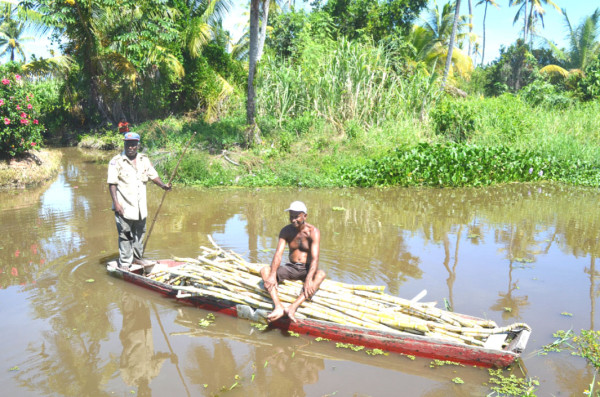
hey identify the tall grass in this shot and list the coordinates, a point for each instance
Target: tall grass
(343, 81)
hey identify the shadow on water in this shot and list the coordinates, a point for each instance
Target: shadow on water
(509, 253)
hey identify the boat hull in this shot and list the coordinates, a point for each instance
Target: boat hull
(402, 343)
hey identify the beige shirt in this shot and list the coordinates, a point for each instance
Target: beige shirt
(131, 183)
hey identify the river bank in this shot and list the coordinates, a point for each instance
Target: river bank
(505, 140)
(30, 170)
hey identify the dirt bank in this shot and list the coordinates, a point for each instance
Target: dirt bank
(30, 170)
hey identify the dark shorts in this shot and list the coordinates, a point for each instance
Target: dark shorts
(292, 271)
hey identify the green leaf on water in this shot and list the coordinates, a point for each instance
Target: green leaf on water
(338, 208)
(252, 378)
(508, 309)
(90, 280)
(266, 250)
(205, 385)
(473, 235)
(567, 314)
(15, 368)
(458, 381)
(259, 326)
(266, 363)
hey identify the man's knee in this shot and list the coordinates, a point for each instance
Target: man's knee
(265, 272)
(321, 275)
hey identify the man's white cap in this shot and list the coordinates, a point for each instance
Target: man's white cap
(298, 206)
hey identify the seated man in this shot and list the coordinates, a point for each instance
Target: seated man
(303, 240)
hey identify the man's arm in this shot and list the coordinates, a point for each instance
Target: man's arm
(158, 182)
(272, 279)
(112, 188)
(309, 286)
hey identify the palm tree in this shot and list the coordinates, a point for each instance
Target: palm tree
(11, 38)
(431, 40)
(257, 38)
(470, 4)
(251, 133)
(531, 10)
(451, 43)
(486, 2)
(583, 46)
(200, 23)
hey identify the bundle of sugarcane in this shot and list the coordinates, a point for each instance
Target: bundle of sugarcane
(226, 275)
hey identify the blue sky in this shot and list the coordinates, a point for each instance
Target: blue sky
(499, 23)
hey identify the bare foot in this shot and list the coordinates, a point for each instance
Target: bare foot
(291, 313)
(276, 314)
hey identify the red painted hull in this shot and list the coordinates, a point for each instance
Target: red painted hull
(409, 344)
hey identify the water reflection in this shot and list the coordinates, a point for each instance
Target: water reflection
(139, 363)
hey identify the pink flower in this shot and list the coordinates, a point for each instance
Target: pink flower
(6, 121)
(23, 115)
(35, 121)
(1, 102)
(17, 77)
(33, 143)
(29, 106)
(5, 81)
(18, 107)
(24, 121)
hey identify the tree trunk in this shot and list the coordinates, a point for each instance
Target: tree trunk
(529, 23)
(251, 132)
(263, 29)
(525, 22)
(483, 49)
(470, 26)
(451, 44)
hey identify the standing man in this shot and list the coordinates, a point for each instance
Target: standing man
(303, 241)
(128, 174)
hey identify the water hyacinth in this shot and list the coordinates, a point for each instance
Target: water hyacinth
(457, 164)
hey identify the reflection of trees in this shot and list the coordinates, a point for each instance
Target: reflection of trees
(571, 380)
(66, 364)
(286, 368)
(508, 301)
(594, 293)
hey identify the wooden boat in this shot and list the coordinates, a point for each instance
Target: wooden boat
(500, 350)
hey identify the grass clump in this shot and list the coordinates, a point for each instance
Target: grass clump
(29, 169)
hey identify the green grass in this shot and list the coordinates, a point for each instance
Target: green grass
(508, 140)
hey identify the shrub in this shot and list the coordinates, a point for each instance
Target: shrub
(454, 120)
(589, 84)
(541, 92)
(20, 129)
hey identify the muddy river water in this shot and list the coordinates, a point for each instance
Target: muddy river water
(514, 253)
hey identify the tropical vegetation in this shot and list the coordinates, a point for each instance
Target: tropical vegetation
(344, 93)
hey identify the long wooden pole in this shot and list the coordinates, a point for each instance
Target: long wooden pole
(165, 192)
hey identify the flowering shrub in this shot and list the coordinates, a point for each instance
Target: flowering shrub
(20, 129)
